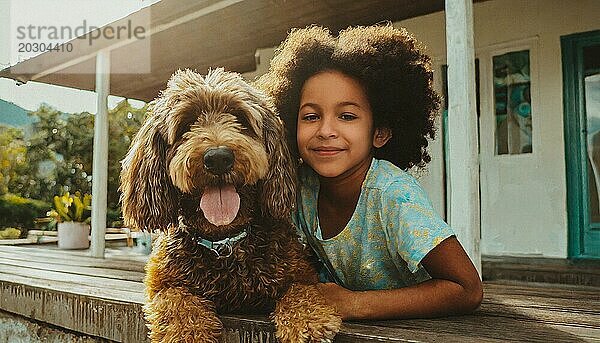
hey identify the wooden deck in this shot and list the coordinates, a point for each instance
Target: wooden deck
(102, 298)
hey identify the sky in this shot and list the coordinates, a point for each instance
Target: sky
(32, 94)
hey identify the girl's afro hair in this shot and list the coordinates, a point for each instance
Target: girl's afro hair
(389, 64)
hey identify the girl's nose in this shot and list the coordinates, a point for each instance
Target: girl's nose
(327, 128)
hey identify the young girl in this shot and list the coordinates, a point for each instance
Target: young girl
(359, 109)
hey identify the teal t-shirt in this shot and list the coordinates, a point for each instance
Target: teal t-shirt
(392, 228)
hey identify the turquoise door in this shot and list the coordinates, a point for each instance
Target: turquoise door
(581, 81)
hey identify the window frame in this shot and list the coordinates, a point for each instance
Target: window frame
(488, 110)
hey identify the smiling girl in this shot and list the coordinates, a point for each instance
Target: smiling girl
(359, 109)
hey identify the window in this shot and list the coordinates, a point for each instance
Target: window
(512, 102)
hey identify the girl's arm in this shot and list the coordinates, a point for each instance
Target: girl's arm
(454, 288)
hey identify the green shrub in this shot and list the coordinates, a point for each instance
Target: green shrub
(10, 233)
(114, 218)
(16, 211)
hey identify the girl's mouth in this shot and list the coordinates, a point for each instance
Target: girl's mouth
(327, 151)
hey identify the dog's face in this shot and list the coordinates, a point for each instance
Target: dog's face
(206, 138)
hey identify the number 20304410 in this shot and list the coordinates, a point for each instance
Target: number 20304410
(45, 47)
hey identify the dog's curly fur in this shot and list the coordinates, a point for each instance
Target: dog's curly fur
(163, 179)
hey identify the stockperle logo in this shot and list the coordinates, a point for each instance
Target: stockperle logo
(77, 29)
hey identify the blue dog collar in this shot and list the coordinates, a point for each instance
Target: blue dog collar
(222, 248)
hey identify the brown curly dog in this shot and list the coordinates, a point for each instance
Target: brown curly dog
(210, 172)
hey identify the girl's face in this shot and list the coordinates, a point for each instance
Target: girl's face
(335, 125)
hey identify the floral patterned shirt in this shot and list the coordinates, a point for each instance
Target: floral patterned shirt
(392, 228)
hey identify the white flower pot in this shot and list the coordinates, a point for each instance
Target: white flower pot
(73, 235)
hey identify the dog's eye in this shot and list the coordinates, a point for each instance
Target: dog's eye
(241, 117)
(243, 121)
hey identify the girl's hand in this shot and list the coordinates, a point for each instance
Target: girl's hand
(342, 299)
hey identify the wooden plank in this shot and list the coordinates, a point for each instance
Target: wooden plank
(130, 296)
(480, 327)
(586, 334)
(570, 317)
(548, 270)
(359, 332)
(116, 234)
(68, 257)
(42, 233)
(74, 279)
(18, 329)
(70, 261)
(545, 275)
(355, 331)
(582, 304)
(27, 240)
(46, 239)
(547, 288)
(549, 265)
(115, 320)
(74, 260)
(76, 270)
(549, 291)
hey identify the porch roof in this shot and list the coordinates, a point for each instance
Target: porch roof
(202, 34)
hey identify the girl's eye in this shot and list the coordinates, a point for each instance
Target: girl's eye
(347, 116)
(310, 117)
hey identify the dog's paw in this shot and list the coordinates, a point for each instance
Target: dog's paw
(302, 316)
(176, 316)
(307, 329)
(324, 329)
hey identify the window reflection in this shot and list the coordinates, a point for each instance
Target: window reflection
(512, 101)
(592, 109)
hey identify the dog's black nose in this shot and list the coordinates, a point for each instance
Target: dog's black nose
(219, 160)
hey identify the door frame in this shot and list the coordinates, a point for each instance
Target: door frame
(575, 140)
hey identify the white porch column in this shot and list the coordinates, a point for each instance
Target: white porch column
(462, 127)
(100, 162)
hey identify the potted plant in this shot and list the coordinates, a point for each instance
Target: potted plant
(72, 211)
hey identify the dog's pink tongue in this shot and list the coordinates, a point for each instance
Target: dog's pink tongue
(220, 204)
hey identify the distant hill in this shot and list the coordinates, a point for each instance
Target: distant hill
(13, 115)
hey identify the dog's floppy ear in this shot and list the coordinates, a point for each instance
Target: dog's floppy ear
(279, 187)
(149, 199)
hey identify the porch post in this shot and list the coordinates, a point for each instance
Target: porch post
(462, 127)
(100, 162)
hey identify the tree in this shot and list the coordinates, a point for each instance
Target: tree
(124, 122)
(57, 157)
(75, 149)
(13, 155)
(37, 180)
